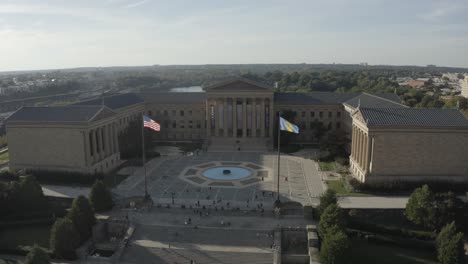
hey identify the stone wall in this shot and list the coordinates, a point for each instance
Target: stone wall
(416, 154)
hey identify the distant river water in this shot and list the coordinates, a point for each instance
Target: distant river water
(190, 89)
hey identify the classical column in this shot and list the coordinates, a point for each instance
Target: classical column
(358, 146)
(234, 117)
(87, 152)
(244, 117)
(354, 143)
(92, 148)
(225, 117)
(216, 116)
(262, 117)
(208, 117)
(116, 138)
(366, 151)
(254, 117)
(361, 151)
(272, 116)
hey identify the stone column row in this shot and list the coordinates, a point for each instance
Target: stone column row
(102, 142)
(360, 148)
(223, 117)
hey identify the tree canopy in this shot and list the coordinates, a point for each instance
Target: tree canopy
(420, 207)
(331, 219)
(82, 216)
(64, 238)
(450, 245)
(327, 198)
(334, 246)
(100, 197)
(37, 255)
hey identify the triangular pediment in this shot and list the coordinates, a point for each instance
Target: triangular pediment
(105, 112)
(358, 116)
(238, 85)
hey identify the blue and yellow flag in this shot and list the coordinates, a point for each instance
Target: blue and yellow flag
(285, 125)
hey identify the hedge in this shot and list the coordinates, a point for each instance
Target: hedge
(393, 240)
(394, 231)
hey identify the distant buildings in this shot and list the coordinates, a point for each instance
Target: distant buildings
(416, 84)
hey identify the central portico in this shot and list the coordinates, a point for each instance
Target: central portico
(240, 110)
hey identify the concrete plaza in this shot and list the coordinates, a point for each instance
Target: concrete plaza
(300, 181)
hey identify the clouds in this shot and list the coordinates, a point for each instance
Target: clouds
(56, 34)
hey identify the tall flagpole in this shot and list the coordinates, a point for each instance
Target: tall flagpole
(279, 154)
(143, 154)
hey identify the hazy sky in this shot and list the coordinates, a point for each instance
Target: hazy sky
(39, 34)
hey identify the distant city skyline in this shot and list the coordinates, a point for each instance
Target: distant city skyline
(53, 34)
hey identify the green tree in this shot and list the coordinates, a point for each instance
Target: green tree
(82, 216)
(450, 245)
(100, 197)
(130, 141)
(334, 246)
(335, 143)
(37, 255)
(30, 196)
(64, 238)
(327, 198)
(332, 218)
(420, 208)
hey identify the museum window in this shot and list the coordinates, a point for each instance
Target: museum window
(330, 114)
(190, 124)
(329, 126)
(303, 125)
(338, 125)
(150, 113)
(174, 124)
(174, 112)
(338, 114)
(166, 113)
(181, 124)
(312, 114)
(321, 114)
(190, 112)
(303, 113)
(198, 124)
(166, 124)
(181, 112)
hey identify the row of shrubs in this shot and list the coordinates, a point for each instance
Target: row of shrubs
(395, 240)
(404, 186)
(388, 230)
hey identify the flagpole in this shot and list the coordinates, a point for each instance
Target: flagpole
(279, 154)
(143, 154)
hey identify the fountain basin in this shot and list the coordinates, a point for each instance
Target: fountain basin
(226, 173)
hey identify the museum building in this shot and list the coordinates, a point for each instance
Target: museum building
(389, 141)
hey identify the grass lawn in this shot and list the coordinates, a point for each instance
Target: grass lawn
(4, 156)
(327, 166)
(370, 253)
(25, 236)
(339, 188)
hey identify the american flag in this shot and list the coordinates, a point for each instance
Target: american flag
(150, 123)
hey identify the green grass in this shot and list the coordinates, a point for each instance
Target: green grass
(340, 189)
(5, 156)
(25, 236)
(327, 166)
(370, 253)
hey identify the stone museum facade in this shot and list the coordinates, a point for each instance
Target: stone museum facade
(389, 141)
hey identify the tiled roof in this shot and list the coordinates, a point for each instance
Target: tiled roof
(72, 113)
(175, 98)
(419, 117)
(313, 98)
(365, 100)
(114, 101)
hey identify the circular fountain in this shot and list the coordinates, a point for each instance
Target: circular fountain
(225, 173)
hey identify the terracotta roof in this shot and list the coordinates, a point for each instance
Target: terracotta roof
(419, 117)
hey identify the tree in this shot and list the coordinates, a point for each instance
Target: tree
(37, 255)
(64, 238)
(450, 245)
(334, 246)
(327, 198)
(335, 143)
(130, 140)
(100, 197)
(30, 196)
(332, 218)
(82, 216)
(420, 208)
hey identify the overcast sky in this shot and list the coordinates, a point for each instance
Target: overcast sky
(44, 34)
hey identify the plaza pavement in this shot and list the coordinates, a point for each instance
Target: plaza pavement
(300, 181)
